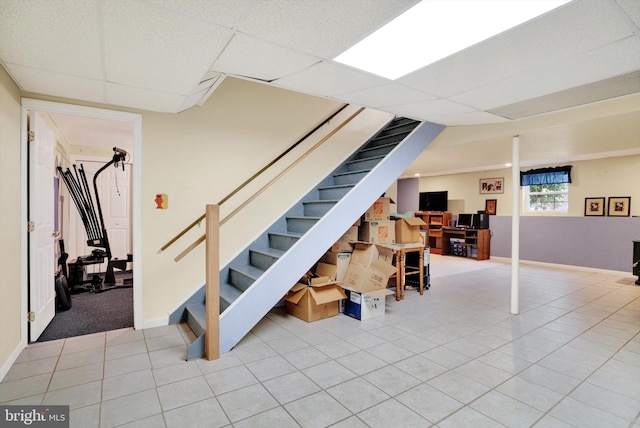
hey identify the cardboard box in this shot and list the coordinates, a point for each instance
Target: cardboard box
(343, 245)
(314, 301)
(327, 270)
(363, 306)
(340, 261)
(408, 230)
(378, 232)
(380, 210)
(370, 268)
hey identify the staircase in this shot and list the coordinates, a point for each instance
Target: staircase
(257, 279)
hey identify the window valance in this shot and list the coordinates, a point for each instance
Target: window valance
(560, 174)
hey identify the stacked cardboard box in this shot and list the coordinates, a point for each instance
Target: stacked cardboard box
(366, 279)
(377, 226)
(315, 296)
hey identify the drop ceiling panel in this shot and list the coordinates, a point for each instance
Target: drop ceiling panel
(632, 9)
(590, 67)
(51, 36)
(386, 95)
(321, 28)
(143, 99)
(576, 28)
(429, 109)
(329, 79)
(149, 47)
(56, 84)
(228, 13)
(251, 57)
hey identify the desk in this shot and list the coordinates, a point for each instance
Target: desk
(399, 251)
(475, 243)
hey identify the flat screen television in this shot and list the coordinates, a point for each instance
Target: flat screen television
(465, 220)
(434, 201)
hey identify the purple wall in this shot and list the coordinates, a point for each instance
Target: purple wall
(408, 195)
(595, 242)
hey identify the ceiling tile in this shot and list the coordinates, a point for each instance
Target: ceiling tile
(632, 9)
(427, 109)
(321, 28)
(228, 13)
(576, 28)
(56, 84)
(329, 79)
(603, 63)
(149, 47)
(255, 58)
(143, 99)
(386, 95)
(66, 32)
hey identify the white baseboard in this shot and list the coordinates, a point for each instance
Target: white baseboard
(561, 266)
(157, 322)
(6, 366)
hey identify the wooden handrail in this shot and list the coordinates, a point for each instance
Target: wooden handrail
(250, 179)
(266, 186)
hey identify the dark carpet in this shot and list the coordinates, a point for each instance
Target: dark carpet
(92, 313)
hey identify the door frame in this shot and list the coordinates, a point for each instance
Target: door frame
(135, 119)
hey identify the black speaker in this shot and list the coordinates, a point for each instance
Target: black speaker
(481, 220)
(636, 260)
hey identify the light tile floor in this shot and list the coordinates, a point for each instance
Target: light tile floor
(454, 357)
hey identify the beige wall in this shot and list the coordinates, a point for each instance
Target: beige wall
(198, 157)
(615, 176)
(10, 227)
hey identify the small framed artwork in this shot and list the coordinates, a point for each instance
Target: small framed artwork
(594, 206)
(490, 206)
(491, 185)
(619, 206)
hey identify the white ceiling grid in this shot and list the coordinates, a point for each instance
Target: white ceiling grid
(155, 54)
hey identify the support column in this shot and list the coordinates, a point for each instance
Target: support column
(212, 288)
(515, 226)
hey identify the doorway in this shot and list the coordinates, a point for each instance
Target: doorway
(36, 296)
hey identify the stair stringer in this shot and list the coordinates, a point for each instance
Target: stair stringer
(246, 311)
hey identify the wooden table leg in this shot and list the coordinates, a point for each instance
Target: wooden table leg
(400, 268)
(421, 264)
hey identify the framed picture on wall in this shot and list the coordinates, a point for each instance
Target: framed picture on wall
(594, 206)
(490, 206)
(491, 185)
(619, 206)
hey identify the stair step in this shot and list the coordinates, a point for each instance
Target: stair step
(242, 277)
(364, 163)
(283, 241)
(228, 294)
(197, 318)
(318, 208)
(350, 177)
(301, 224)
(263, 258)
(334, 192)
(382, 149)
(386, 139)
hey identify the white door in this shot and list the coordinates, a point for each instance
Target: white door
(43, 237)
(114, 190)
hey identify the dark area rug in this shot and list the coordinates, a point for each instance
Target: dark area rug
(92, 313)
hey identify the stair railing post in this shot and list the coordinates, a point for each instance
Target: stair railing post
(212, 289)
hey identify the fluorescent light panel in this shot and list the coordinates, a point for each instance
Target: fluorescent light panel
(435, 29)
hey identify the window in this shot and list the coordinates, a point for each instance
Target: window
(546, 198)
(546, 189)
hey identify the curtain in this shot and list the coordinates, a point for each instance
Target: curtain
(560, 174)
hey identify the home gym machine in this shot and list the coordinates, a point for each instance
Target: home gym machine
(93, 221)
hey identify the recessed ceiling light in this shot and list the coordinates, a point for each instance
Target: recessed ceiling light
(435, 29)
